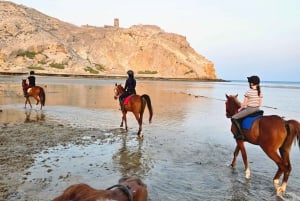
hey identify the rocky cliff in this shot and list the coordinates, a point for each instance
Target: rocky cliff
(31, 40)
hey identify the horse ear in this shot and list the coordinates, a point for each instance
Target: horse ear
(236, 95)
(116, 84)
(226, 96)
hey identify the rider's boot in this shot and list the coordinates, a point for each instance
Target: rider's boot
(121, 105)
(239, 135)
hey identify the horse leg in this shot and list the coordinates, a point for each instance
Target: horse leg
(37, 101)
(121, 125)
(281, 168)
(240, 144)
(139, 117)
(124, 119)
(27, 100)
(140, 121)
(284, 167)
(235, 154)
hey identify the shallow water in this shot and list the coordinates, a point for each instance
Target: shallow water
(186, 151)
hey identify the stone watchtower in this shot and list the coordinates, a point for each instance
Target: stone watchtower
(116, 22)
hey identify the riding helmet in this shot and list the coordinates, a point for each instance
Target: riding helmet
(253, 79)
(32, 72)
(130, 73)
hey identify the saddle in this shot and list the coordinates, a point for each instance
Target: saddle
(247, 121)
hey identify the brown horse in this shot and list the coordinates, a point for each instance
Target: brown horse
(271, 133)
(128, 189)
(36, 92)
(136, 105)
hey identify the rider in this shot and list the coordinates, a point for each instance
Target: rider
(129, 88)
(31, 80)
(252, 103)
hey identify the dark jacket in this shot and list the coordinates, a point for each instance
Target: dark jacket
(130, 86)
(31, 80)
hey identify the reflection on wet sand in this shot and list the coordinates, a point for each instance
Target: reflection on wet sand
(130, 159)
(34, 116)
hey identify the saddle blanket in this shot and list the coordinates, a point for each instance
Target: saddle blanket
(126, 100)
(248, 121)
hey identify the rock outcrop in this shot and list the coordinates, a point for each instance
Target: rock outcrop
(32, 40)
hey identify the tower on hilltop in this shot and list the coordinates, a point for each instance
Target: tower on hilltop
(116, 22)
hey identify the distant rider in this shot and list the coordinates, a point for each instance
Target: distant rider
(31, 80)
(130, 85)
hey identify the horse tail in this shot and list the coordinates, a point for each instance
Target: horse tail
(42, 96)
(293, 128)
(149, 105)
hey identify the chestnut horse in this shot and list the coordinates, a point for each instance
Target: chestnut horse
(36, 92)
(128, 189)
(271, 133)
(136, 105)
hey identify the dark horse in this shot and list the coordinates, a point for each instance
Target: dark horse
(271, 133)
(36, 92)
(136, 105)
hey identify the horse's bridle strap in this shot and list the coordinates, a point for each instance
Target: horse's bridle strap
(124, 188)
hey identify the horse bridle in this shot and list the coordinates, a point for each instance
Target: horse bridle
(124, 188)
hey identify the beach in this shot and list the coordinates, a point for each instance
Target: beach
(185, 153)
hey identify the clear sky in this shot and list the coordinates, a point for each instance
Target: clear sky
(241, 37)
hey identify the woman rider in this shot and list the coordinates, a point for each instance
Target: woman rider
(130, 85)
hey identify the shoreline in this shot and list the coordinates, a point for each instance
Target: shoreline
(117, 77)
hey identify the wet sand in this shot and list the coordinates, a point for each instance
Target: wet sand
(76, 138)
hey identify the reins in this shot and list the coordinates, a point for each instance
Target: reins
(124, 188)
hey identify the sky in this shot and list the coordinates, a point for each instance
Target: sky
(241, 37)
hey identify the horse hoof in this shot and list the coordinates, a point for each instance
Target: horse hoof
(279, 191)
(247, 174)
(141, 136)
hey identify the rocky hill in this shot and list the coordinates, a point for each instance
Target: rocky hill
(30, 39)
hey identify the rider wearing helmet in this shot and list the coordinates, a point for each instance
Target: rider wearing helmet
(252, 103)
(129, 87)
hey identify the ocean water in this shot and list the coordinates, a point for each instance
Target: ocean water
(186, 151)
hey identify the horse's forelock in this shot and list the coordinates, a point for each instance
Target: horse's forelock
(232, 104)
(233, 98)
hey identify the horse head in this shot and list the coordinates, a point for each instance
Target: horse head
(232, 105)
(24, 83)
(130, 188)
(119, 90)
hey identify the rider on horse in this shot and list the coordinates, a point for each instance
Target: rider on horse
(129, 88)
(251, 104)
(31, 80)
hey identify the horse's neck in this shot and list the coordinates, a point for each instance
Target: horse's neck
(237, 103)
(122, 90)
